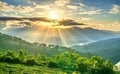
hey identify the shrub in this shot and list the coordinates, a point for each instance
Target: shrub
(52, 64)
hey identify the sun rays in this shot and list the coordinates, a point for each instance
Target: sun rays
(56, 36)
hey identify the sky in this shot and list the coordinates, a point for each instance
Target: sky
(55, 16)
(99, 14)
(83, 10)
(92, 11)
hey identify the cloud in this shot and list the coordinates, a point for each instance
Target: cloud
(110, 25)
(8, 10)
(37, 22)
(70, 22)
(82, 5)
(90, 12)
(24, 9)
(26, 23)
(66, 22)
(16, 24)
(82, 9)
(64, 8)
(20, 22)
(72, 7)
(62, 2)
(115, 9)
(11, 10)
(86, 19)
(5, 7)
(22, 19)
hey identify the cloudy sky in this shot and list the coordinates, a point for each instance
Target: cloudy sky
(82, 10)
(52, 18)
(96, 10)
(100, 14)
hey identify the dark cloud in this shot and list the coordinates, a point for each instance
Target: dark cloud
(10, 19)
(22, 19)
(70, 22)
(39, 19)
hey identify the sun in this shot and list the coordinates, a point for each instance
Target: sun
(53, 15)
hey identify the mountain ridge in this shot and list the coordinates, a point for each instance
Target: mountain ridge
(109, 48)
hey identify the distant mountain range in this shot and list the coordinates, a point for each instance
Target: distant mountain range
(109, 49)
(66, 37)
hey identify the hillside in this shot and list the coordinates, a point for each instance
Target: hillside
(14, 43)
(67, 62)
(109, 49)
(53, 59)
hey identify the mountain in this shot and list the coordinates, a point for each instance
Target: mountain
(109, 49)
(8, 42)
(58, 36)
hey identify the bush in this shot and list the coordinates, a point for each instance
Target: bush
(31, 60)
(52, 64)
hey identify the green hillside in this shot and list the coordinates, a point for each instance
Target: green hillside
(108, 49)
(67, 62)
(21, 57)
(13, 43)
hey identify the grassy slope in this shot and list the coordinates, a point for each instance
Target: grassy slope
(6, 68)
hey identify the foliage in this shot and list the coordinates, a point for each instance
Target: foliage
(52, 64)
(7, 68)
(31, 60)
(65, 61)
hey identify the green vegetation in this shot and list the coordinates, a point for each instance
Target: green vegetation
(108, 48)
(7, 68)
(66, 63)
(13, 43)
(47, 59)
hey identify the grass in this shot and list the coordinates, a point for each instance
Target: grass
(6, 68)
(118, 72)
